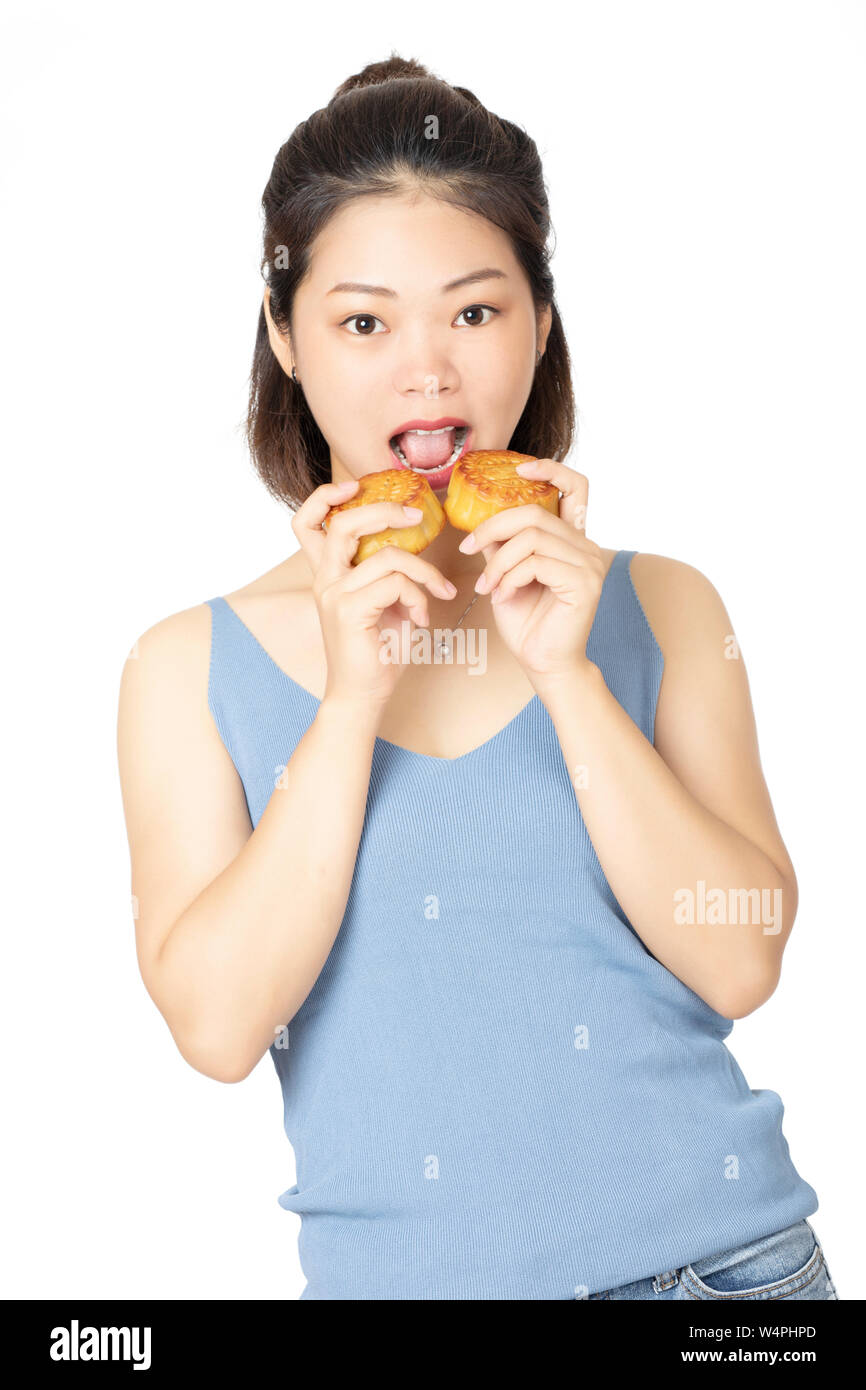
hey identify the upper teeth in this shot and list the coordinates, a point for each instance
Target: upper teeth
(443, 430)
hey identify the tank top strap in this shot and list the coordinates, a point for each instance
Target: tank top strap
(622, 644)
(248, 694)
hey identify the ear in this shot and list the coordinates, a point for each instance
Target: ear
(280, 343)
(544, 320)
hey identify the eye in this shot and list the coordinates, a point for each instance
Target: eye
(477, 308)
(364, 318)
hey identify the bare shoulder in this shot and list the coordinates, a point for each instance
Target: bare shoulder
(179, 638)
(163, 701)
(167, 667)
(180, 642)
(163, 695)
(678, 601)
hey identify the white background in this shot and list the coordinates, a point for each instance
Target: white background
(705, 168)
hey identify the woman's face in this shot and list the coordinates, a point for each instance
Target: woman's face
(414, 346)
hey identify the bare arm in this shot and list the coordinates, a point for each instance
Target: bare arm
(691, 807)
(234, 924)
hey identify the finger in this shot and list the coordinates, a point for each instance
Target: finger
(307, 521)
(574, 487)
(559, 576)
(507, 523)
(367, 604)
(346, 528)
(490, 550)
(532, 540)
(393, 557)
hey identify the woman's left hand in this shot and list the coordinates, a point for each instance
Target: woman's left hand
(543, 574)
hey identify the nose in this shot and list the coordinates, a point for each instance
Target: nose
(425, 367)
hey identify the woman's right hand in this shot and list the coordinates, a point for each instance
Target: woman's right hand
(358, 602)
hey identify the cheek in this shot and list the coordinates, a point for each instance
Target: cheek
(508, 386)
(338, 387)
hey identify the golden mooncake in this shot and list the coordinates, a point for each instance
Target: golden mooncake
(409, 490)
(484, 482)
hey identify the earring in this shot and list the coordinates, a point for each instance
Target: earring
(294, 376)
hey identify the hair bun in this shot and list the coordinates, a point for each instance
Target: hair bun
(375, 73)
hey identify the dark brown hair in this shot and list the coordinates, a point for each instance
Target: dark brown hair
(371, 138)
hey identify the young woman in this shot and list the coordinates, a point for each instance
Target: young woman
(493, 931)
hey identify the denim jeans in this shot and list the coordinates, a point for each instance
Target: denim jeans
(789, 1264)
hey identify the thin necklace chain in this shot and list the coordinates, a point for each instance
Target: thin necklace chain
(466, 610)
(444, 645)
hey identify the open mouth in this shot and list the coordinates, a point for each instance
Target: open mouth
(429, 451)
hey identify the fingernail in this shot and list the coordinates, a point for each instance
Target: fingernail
(481, 584)
(530, 466)
(468, 545)
(414, 512)
(348, 482)
(450, 589)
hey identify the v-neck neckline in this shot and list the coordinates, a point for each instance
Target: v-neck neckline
(399, 747)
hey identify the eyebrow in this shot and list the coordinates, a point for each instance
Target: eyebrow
(353, 287)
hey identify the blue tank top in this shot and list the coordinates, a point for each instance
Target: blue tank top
(494, 1090)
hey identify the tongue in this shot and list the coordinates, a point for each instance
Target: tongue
(427, 450)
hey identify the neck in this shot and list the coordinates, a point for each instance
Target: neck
(445, 555)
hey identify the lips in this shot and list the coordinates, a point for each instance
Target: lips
(429, 447)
